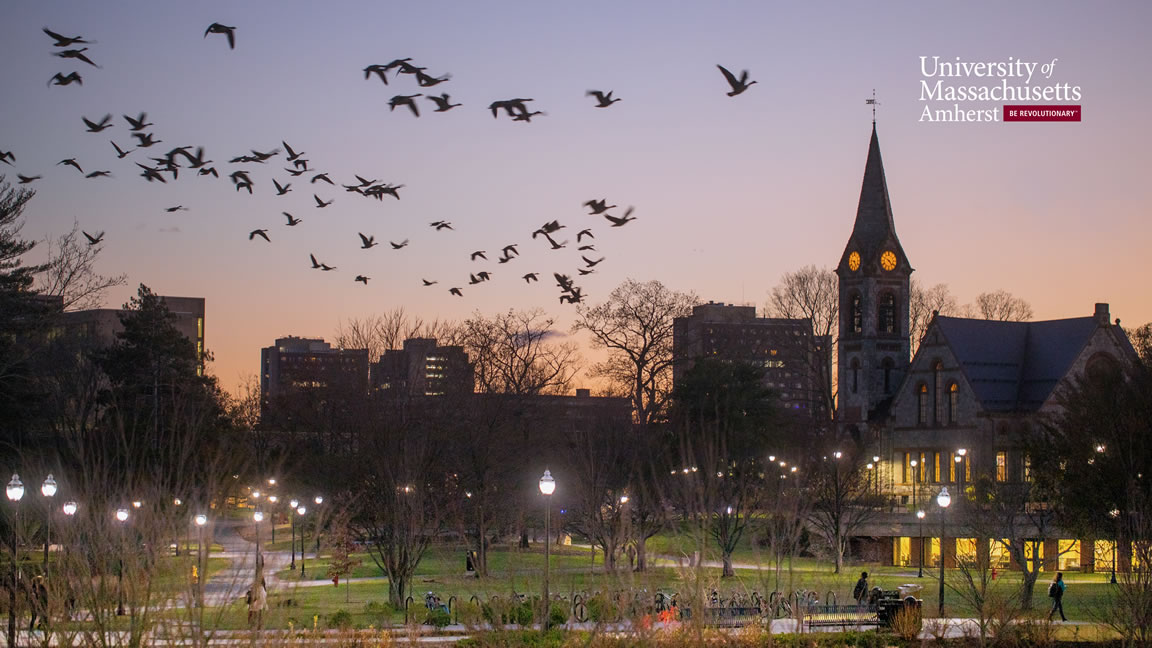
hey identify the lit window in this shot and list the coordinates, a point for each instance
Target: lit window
(922, 417)
(1001, 466)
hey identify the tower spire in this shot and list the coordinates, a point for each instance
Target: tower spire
(872, 102)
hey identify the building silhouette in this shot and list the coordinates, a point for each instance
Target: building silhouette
(100, 326)
(422, 368)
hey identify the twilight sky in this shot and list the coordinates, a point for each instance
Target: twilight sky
(729, 192)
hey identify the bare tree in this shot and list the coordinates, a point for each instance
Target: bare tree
(1003, 306)
(813, 293)
(599, 458)
(1141, 338)
(71, 272)
(635, 327)
(923, 304)
(516, 353)
(380, 333)
(842, 502)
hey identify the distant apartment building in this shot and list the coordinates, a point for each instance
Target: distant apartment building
(101, 325)
(422, 368)
(790, 355)
(294, 363)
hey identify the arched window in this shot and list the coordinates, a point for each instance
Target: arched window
(953, 401)
(938, 390)
(886, 313)
(922, 404)
(855, 375)
(888, 366)
(857, 314)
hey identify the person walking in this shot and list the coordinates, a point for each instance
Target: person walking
(860, 592)
(1056, 593)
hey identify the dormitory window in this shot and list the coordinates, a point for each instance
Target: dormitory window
(1001, 466)
(953, 401)
(922, 396)
(887, 313)
(857, 314)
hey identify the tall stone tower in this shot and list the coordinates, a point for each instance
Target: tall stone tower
(873, 352)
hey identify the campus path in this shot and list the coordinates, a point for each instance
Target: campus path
(232, 583)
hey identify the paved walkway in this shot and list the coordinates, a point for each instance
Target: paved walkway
(232, 583)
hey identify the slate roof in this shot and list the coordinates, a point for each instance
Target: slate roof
(874, 226)
(1014, 366)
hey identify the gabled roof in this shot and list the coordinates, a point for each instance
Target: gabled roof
(874, 227)
(1015, 366)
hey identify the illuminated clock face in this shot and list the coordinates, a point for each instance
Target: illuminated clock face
(888, 260)
(854, 261)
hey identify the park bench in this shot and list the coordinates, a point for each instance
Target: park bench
(727, 616)
(879, 611)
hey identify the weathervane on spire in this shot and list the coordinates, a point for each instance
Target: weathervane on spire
(872, 102)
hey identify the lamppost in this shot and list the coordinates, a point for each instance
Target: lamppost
(257, 518)
(70, 507)
(962, 468)
(915, 480)
(200, 521)
(547, 487)
(319, 499)
(273, 500)
(48, 489)
(301, 510)
(15, 493)
(876, 460)
(1114, 514)
(121, 517)
(943, 500)
(920, 516)
(293, 504)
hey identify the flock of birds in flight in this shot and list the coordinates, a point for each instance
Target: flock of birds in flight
(170, 163)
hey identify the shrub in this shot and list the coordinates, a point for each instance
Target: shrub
(471, 614)
(906, 623)
(515, 639)
(438, 618)
(601, 609)
(340, 619)
(557, 614)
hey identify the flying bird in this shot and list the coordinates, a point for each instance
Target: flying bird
(587, 248)
(120, 153)
(26, 179)
(151, 174)
(397, 246)
(362, 279)
(324, 177)
(443, 103)
(439, 225)
(530, 277)
(555, 245)
(584, 232)
(378, 70)
(367, 242)
(145, 140)
(586, 271)
(209, 171)
(327, 268)
(510, 106)
(139, 123)
(99, 174)
(65, 41)
(429, 283)
(510, 249)
(456, 291)
(426, 81)
(292, 155)
(292, 221)
(93, 240)
(76, 54)
(262, 233)
(66, 79)
(622, 220)
(404, 100)
(281, 190)
(72, 163)
(598, 206)
(320, 204)
(738, 85)
(6, 156)
(480, 254)
(590, 263)
(549, 228)
(315, 263)
(527, 116)
(96, 127)
(217, 28)
(172, 210)
(603, 100)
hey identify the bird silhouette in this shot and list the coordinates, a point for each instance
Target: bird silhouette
(440, 225)
(327, 268)
(139, 123)
(530, 277)
(209, 171)
(472, 280)
(195, 161)
(367, 242)
(426, 81)
(172, 210)
(622, 220)
(217, 28)
(7, 157)
(145, 140)
(26, 179)
(563, 281)
(456, 291)
(96, 127)
(295, 173)
(378, 70)
(120, 153)
(93, 240)
(404, 100)
(443, 103)
(315, 263)
(262, 233)
(527, 116)
(584, 232)
(555, 245)
(480, 254)
(510, 106)
(396, 63)
(587, 248)
(586, 271)
(574, 298)
(281, 190)
(429, 283)
(510, 249)
(292, 221)
(323, 177)
(397, 246)
(76, 54)
(603, 100)
(72, 163)
(320, 204)
(66, 79)
(590, 263)
(240, 176)
(151, 174)
(598, 206)
(362, 279)
(292, 155)
(549, 228)
(99, 174)
(738, 85)
(65, 41)
(244, 185)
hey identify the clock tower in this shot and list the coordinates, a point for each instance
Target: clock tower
(873, 351)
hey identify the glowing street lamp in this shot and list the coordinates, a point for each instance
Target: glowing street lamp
(200, 520)
(293, 504)
(547, 487)
(70, 508)
(943, 500)
(121, 517)
(48, 489)
(301, 510)
(15, 493)
(920, 571)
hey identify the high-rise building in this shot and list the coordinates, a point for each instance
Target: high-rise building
(102, 324)
(295, 363)
(784, 347)
(423, 368)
